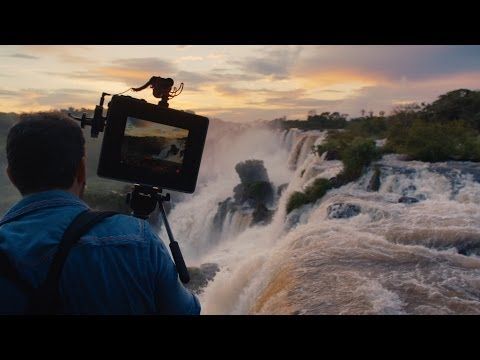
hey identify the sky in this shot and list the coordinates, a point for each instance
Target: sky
(240, 83)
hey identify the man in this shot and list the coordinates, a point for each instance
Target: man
(120, 266)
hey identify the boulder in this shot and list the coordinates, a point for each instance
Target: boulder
(374, 183)
(409, 190)
(343, 211)
(239, 195)
(200, 276)
(254, 193)
(251, 171)
(421, 197)
(408, 200)
(261, 214)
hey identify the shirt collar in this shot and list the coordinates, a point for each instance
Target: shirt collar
(50, 198)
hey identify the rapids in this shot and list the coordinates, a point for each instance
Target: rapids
(391, 258)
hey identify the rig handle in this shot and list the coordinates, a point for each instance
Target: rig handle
(179, 262)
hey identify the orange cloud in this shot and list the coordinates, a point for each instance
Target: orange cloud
(134, 75)
(344, 77)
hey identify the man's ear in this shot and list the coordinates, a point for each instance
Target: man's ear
(81, 176)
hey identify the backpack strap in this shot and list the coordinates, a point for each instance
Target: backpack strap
(46, 298)
(79, 226)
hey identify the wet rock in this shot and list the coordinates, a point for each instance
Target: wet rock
(254, 186)
(262, 215)
(223, 208)
(343, 211)
(200, 276)
(335, 182)
(374, 183)
(332, 155)
(251, 171)
(409, 189)
(453, 169)
(392, 169)
(239, 193)
(254, 193)
(457, 172)
(408, 200)
(468, 248)
(421, 197)
(281, 189)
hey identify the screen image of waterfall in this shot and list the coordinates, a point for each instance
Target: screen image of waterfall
(354, 251)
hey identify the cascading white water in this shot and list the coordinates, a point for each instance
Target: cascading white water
(391, 258)
(291, 138)
(227, 144)
(235, 222)
(302, 148)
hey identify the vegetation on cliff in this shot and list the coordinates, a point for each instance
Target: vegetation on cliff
(446, 129)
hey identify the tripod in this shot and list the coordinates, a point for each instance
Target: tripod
(143, 201)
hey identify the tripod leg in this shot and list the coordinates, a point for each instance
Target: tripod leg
(175, 249)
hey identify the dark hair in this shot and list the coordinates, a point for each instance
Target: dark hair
(44, 151)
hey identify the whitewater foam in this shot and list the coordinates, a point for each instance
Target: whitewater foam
(391, 258)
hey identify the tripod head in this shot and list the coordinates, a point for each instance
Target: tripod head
(143, 200)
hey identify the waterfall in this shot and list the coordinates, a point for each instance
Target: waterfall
(302, 148)
(391, 258)
(226, 145)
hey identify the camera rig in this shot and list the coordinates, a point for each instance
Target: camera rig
(143, 199)
(161, 87)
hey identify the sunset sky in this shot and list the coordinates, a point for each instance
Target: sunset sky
(238, 82)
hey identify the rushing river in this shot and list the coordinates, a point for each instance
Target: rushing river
(389, 258)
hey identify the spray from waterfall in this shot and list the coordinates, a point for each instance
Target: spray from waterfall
(386, 256)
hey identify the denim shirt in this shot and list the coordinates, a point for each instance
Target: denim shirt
(120, 266)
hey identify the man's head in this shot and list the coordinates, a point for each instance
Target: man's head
(46, 151)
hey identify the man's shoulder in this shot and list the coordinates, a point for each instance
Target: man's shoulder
(119, 228)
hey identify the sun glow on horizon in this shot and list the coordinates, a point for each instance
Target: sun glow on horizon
(237, 83)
